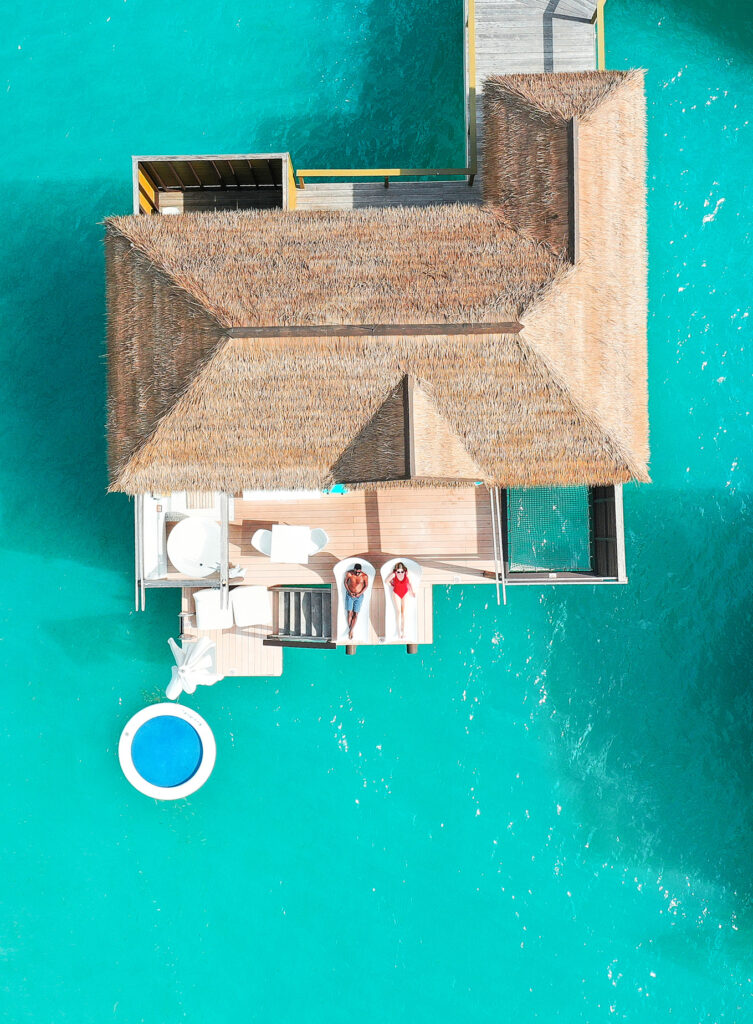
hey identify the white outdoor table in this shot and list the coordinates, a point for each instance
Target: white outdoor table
(290, 544)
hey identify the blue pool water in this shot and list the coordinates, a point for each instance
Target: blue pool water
(166, 751)
(548, 815)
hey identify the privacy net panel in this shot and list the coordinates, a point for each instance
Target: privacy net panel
(549, 529)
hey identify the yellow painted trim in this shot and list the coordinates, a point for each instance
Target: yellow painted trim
(601, 62)
(291, 184)
(146, 186)
(378, 172)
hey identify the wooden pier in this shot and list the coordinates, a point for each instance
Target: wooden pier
(502, 37)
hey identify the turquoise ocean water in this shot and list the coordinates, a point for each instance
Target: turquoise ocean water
(546, 816)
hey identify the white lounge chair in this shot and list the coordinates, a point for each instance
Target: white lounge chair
(262, 541)
(319, 541)
(361, 632)
(209, 612)
(391, 625)
(252, 606)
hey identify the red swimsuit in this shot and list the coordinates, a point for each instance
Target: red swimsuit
(400, 586)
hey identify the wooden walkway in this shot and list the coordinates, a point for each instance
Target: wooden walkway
(511, 36)
(355, 195)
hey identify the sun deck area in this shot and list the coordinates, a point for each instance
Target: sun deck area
(448, 531)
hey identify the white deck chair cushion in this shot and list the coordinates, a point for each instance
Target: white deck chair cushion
(209, 614)
(251, 606)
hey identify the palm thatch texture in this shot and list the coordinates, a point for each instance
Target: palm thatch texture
(527, 158)
(195, 406)
(404, 265)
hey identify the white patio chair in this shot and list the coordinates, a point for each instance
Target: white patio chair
(262, 541)
(319, 541)
(252, 606)
(209, 613)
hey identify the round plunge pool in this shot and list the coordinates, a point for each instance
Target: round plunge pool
(167, 751)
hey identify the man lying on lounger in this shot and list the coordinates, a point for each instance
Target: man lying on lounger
(356, 582)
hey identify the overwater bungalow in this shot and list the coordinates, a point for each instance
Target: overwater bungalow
(451, 372)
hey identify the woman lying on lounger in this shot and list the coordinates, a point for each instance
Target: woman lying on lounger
(401, 587)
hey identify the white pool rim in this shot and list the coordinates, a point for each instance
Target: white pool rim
(208, 752)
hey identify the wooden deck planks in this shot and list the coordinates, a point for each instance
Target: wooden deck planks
(447, 530)
(240, 652)
(354, 195)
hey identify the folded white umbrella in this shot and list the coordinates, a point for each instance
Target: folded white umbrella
(195, 665)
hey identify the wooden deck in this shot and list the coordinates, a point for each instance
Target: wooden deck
(240, 652)
(511, 36)
(355, 195)
(448, 531)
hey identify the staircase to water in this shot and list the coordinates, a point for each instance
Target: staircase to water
(302, 617)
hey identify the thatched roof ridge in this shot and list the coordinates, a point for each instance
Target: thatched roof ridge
(405, 265)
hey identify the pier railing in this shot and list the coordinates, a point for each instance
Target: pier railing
(387, 173)
(598, 21)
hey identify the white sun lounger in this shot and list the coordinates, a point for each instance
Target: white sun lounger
(361, 632)
(391, 626)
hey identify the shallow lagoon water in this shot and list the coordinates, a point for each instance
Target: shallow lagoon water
(547, 815)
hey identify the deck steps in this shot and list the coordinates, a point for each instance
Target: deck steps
(303, 617)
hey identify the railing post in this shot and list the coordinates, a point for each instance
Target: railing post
(601, 62)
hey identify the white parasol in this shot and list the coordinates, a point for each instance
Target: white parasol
(195, 665)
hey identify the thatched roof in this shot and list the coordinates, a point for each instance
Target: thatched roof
(591, 325)
(399, 265)
(527, 147)
(194, 405)
(268, 413)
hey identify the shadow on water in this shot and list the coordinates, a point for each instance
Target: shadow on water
(729, 22)
(421, 125)
(54, 380)
(665, 765)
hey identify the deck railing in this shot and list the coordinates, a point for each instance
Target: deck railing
(598, 21)
(386, 173)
